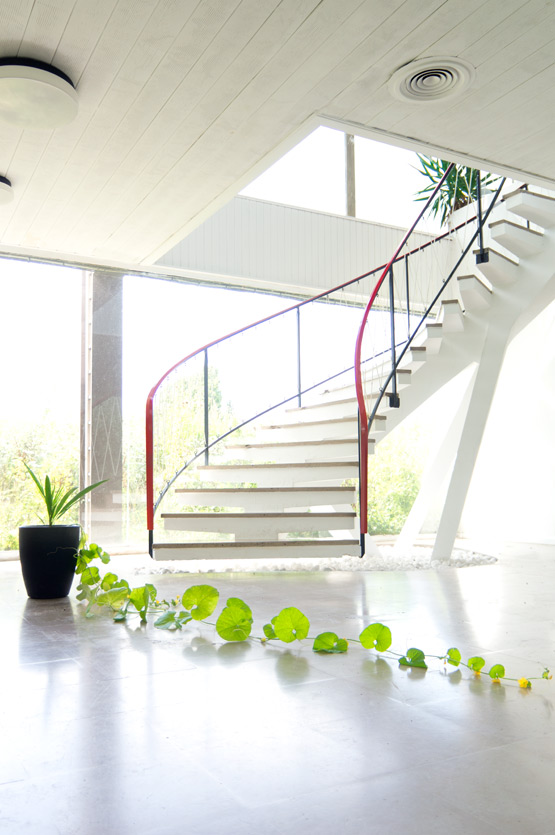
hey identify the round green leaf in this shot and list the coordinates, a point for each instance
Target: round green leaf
(497, 671)
(201, 601)
(269, 631)
(291, 625)
(376, 636)
(453, 656)
(236, 602)
(233, 624)
(476, 663)
(329, 642)
(414, 658)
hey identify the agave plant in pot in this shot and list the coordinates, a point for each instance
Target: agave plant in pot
(48, 552)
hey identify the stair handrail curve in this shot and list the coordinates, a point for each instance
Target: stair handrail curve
(365, 420)
(153, 505)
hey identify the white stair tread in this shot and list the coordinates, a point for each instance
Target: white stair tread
(341, 420)
(297, 451)
(519, 240)
(249, 526)
(287, 474)
(244, 490)
(264, 515)
(257, 499)
(537, 208)
(294, 444)
(499, 268)
(284, 549)
(451, 316)
(278, 466)
(475, 293)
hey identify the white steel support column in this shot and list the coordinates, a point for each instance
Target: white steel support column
(471, 437)
(435, 474)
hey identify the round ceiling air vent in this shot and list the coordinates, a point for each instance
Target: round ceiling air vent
(431, 79)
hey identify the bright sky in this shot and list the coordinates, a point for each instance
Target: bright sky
(312, 175)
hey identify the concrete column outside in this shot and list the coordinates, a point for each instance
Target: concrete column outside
(102, 404)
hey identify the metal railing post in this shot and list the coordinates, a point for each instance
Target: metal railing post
(394, 401)
(482, 256)
(407, 292)
(206, 415)
(299, 384)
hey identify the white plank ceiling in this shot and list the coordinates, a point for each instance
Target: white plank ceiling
(183, 102)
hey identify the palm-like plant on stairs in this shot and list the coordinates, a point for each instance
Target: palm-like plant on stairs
(459, 189)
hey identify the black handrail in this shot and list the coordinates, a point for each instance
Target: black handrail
(397, 358)
(479, 259)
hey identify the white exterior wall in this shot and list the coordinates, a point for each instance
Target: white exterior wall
(270, 246)
(511, 495)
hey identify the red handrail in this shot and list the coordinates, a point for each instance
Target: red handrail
(150, 399)
(149, 445)
(363, 480)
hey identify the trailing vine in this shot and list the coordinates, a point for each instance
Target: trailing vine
(235, 621)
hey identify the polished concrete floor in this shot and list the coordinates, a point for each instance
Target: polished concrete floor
(111, 728)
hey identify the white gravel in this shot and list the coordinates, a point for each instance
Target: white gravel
(418, 560)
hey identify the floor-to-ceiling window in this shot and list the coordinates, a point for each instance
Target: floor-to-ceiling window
(40, 384)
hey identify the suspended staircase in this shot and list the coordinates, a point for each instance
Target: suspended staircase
(290, 488)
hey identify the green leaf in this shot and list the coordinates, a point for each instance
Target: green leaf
(84, 556)
(234, 624)
(453, 656)
(108, 581)
(239, 604)
(476, 663)
(376, 636)
(414, 658)
(167, 621)
(546, 673)
(172, 620)
(329, 642)
(121, 615)
(90, 576)
(497, 671)
(201, 601)
(141, 596)
(269, 631)
(114, 597)
(63, 506)
(85, 592)
(291, 625)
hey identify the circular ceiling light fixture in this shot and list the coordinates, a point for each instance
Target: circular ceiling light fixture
(6, 191)
(431, 79)
(35, 95)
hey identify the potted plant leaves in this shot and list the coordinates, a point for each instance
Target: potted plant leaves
(48, 552)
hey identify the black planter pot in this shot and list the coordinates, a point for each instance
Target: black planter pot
(48, 555)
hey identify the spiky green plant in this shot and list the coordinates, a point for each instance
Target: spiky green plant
(458, 190)
(57, 499)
